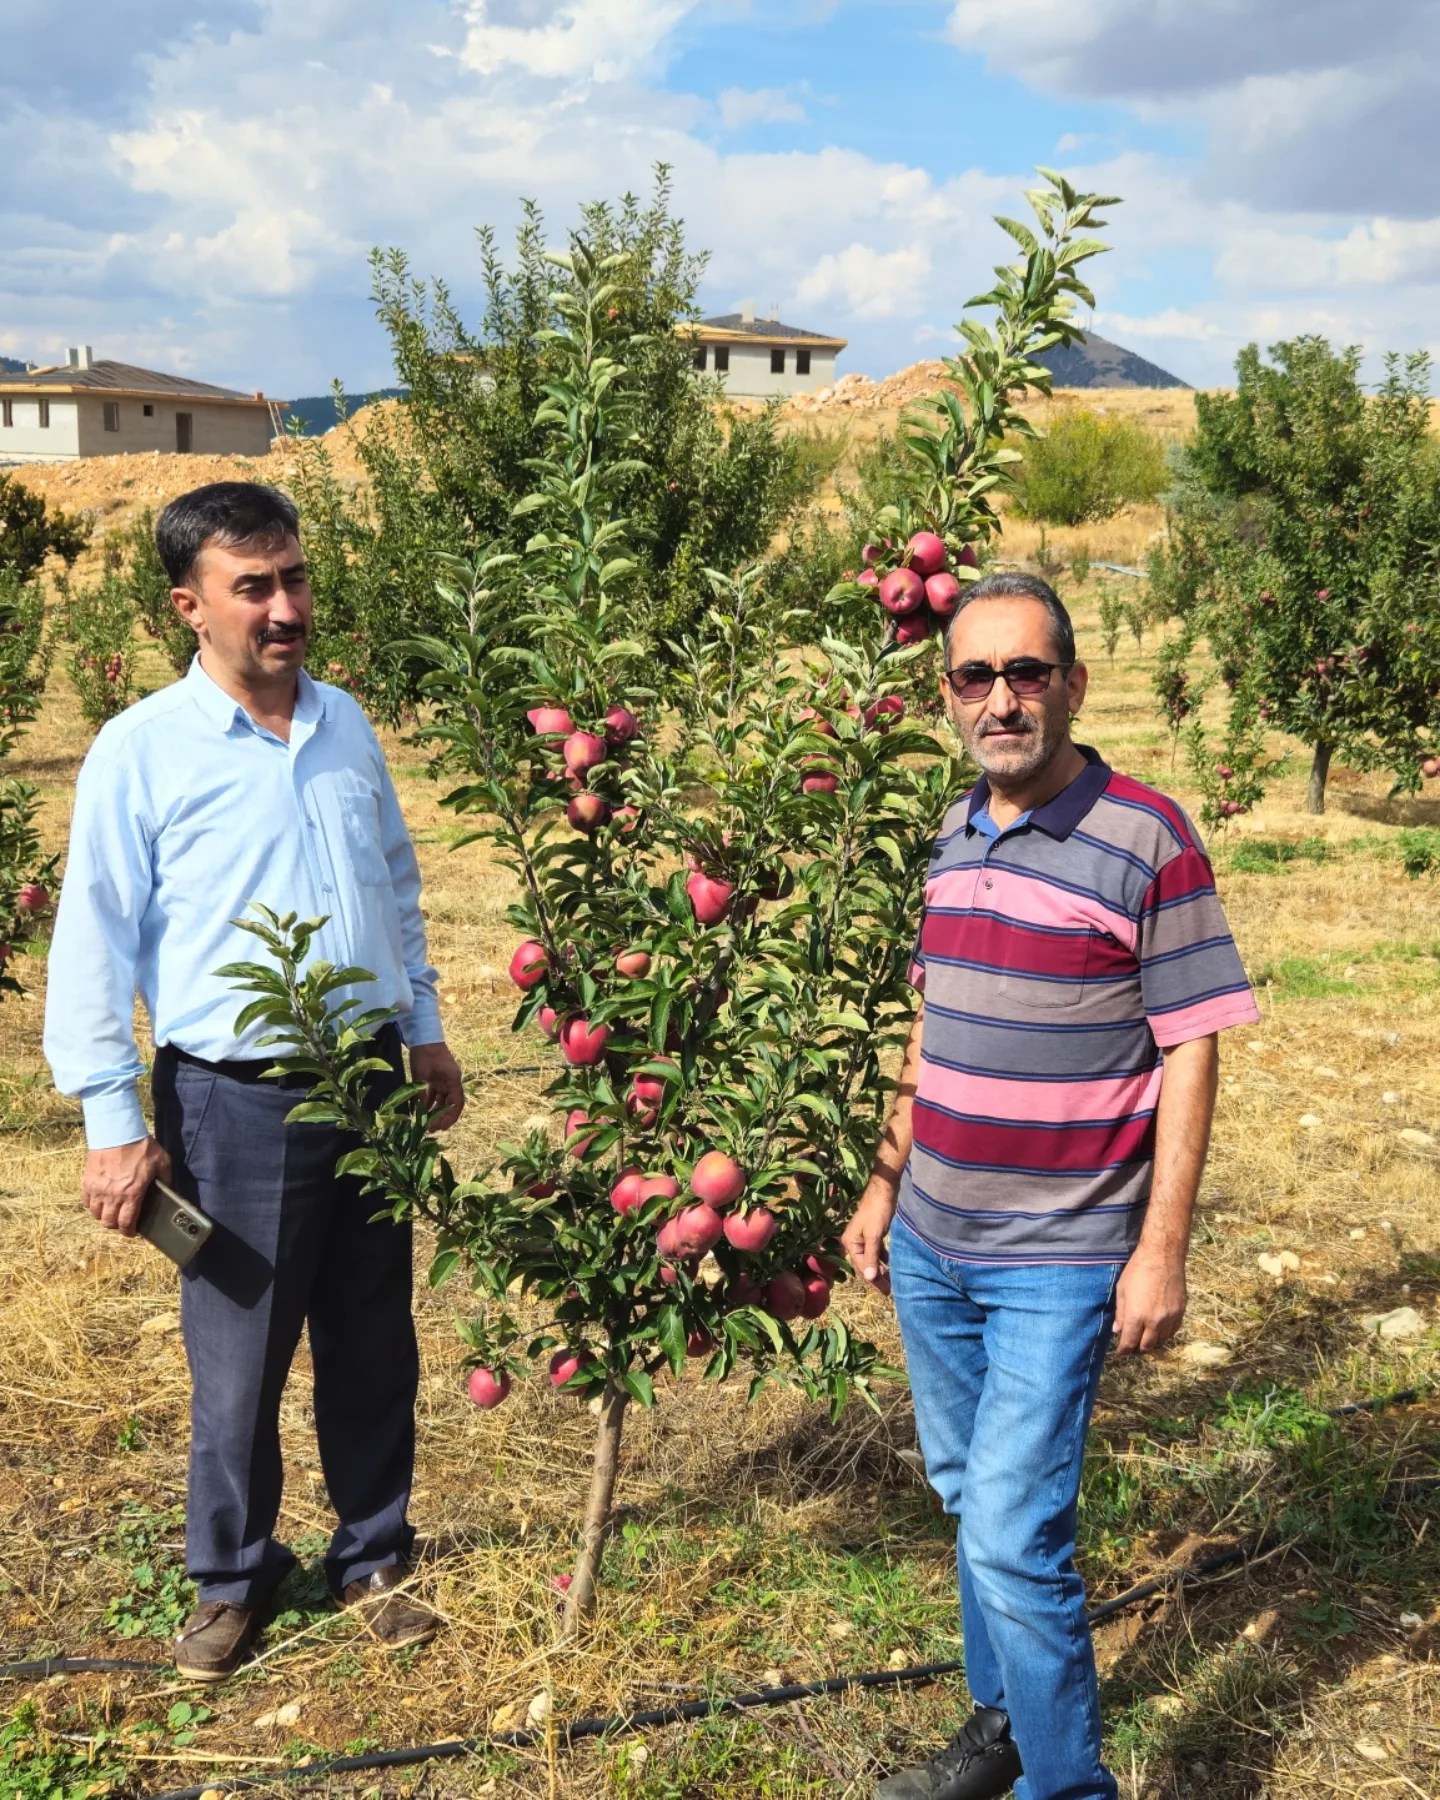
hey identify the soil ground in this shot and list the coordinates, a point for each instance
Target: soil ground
(762, 1543)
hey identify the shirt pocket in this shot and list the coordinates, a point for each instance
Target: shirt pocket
(1047, 973)
(360, 823)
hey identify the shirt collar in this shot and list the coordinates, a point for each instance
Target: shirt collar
(225, 712)
(1059, 816)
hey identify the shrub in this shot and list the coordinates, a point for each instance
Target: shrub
(98, 620)
(141, 578)
(1087, 467)
(30, 532)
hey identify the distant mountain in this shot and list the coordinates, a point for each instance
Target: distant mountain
(1096, 362)
(317, 411)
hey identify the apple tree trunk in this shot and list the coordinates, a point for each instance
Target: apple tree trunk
(580, 1602)
(1319, 774)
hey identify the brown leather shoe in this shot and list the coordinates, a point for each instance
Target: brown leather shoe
(395, 1618)
(214, 1640)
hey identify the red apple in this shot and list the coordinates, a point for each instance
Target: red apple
(942, 593)
(660, 1187)
(884, 711)
(646, 1096)
(699, 1342)
(718, 1180)
(488, 1387)
(913, 630)
(871, 555)
(550, 721)
(587, 812)
(785, 1295)
(744, 1290)
(823, 1266)
(621, 725)
(578, 1136)
(625, 819)
(565, 1363)
(710, 898)
(697, 1230)
(628, 1191)
(583, 1044)
(529, 965)
(816, 722)
(33, 898)
(1430, 768)
(926, 554)
(751, 1231)
(549, 1021)
(583, 751)
(967, 558)
(819, 784)
(902, 591)
(817, 1296)
(633, 964)
(867, 578)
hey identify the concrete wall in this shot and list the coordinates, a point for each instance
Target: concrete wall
(214, 430)
(750, 371)
(27, 442)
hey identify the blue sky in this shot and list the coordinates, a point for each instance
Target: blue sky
(195, 184)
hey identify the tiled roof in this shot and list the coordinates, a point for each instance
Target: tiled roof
(118, 378)
(763, 328)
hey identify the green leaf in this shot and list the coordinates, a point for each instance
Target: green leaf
(639, 1386)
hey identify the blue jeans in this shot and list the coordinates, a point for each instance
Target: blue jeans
(1004, 1364)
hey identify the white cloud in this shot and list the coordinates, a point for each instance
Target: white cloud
(597, 40)
(867, 283)
(740, 107)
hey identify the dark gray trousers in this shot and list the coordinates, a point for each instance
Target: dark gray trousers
(293, 1245)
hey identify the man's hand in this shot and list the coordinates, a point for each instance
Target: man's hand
(864, 1237)
(444, 1090)
(115, 1182)
(1149, 1301)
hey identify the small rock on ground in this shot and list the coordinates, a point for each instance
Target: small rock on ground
(1404, 1322)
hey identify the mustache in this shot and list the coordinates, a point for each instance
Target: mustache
(281, 634)
(1019, 723)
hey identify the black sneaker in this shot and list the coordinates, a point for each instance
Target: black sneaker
(979, 1763)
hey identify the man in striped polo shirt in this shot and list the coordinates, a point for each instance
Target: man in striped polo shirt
(1040, 1166)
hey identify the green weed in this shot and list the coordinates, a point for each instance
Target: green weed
(159, 1596)
(1269, 856)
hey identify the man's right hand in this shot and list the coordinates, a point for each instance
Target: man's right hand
(116, 1181)
(864, 1237)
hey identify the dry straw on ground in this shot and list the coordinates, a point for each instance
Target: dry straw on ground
(761, 1540)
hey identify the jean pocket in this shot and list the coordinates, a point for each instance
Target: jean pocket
(194, 1090)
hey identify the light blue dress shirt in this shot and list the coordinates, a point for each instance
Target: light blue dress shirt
(185, 811)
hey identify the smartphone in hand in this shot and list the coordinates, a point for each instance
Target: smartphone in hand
(173, 1225)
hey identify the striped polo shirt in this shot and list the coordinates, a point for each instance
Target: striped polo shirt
(1058, 957)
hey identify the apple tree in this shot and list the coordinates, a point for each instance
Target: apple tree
(26, 874)
(716, 902)
(1303, 554)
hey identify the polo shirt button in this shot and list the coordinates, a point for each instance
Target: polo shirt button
(988, 882)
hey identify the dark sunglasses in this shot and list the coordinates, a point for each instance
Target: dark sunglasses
(1025, 678)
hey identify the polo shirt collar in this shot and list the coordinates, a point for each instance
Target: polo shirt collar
(1059, 816)
(225, 713)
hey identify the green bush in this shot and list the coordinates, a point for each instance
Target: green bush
(29, 531)
(1087, 467)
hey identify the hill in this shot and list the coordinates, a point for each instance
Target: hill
(10, 365)
(317, 412)
(1097, 363)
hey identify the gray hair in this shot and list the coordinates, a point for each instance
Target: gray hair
(1012, 585)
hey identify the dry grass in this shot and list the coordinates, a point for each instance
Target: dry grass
(763, 1539)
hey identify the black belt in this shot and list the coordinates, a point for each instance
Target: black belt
(387, 1042)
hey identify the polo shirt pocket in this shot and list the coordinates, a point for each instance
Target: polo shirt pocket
(1046, 972)
(360, 821)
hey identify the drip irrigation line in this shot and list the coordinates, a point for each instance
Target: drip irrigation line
(1120, 569)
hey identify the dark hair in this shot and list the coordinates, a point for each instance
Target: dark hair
(1005, 585)
(223, 512)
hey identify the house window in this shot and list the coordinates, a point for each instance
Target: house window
(777, 362)
(722, 359)
(148, 410)
(44, 415)
(700, 357)
(112, 415)
(7, 413)
(802, 362)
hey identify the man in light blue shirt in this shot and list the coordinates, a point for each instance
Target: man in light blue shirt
(247, 781)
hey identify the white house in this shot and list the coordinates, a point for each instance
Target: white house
(90, 408)
(762, 357)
